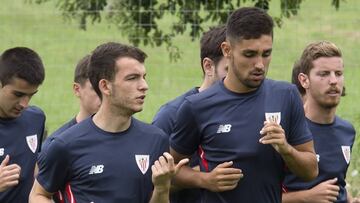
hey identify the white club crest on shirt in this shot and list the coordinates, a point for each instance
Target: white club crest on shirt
(142, 162)
(273, 117)
(346, 152)
(32, 142)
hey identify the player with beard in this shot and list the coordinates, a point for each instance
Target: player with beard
(249, 126)
(320, 79)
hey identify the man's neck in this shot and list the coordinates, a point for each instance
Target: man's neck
(318, 114)
(82, 115)
(233, 84)
(111, 121)
(206, 84)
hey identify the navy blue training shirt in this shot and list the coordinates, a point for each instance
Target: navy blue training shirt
(58, 197)
(165, 119)
(21, 138)
(166, 116)
(92, 165)
(333, 144)
(227, 127)
(59, 131)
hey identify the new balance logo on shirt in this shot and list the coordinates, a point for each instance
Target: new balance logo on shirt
(224, 128)
(96, 169)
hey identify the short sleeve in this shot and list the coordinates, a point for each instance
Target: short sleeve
(299, 130)
(53, 164)
(185, 138)
(164, 119)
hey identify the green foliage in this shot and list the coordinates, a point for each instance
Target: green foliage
(80, 10)
(139, 20)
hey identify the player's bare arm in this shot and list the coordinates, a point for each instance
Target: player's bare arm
(300, 159)
(326, 191)
(163, 171)
(39, 195)
(222, 178)
(355, 200)
(9, 174)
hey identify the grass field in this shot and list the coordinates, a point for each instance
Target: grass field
(61, 44)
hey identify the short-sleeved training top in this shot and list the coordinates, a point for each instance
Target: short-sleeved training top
(333, 145)
(226, 125)
(165, 119)
(92, 165)
(20, 138)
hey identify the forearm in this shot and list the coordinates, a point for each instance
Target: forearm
(186, 177)
(39, 195)
(301, 162)
(38, 198)
(295, 197)
(189, 178)
(160, 196)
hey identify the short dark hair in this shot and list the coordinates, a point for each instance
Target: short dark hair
(312, 52)
(248, 23)
(103, 60)
(210, 44)
(81, 70)
(23, 63)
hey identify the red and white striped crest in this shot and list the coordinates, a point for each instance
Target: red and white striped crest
(273, 117)
(142, 162)
(346, 152)
(32, 142)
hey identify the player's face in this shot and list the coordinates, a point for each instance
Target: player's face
(221, 69)
(249, 61)
(15, 97)
(89, 100)
(326, 81)
(129, 87)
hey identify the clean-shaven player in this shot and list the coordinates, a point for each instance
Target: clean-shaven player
(21, 126)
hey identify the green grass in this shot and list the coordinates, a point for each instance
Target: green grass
(61, 44)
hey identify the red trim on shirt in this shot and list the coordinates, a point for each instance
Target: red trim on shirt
(69, 193)
(203, 159)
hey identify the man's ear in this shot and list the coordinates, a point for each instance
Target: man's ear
(226, 49)
(76, 88)
(208, 66)
(304, 80)
(105, 87)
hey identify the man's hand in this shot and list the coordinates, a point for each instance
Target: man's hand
(223, 177)
(355, 200)
(274, 134)
(163, 170)
(325, 192)
(9, 174)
